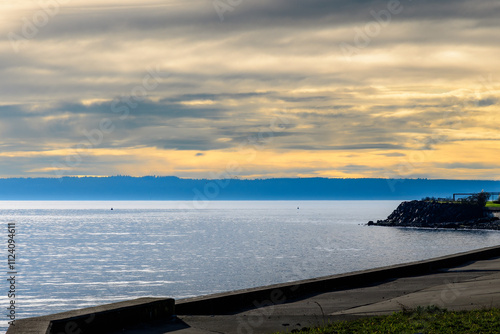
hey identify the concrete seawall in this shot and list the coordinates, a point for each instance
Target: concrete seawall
(230, 302)
(106, 318)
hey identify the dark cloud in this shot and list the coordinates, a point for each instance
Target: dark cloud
(352, 168)
(395, 154)
(214, 97)
(200, 19)
(190, 143)
(487, 102)
(459, 165)
(369, 146)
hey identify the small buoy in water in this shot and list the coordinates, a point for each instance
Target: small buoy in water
(111, 209)
(297, 208)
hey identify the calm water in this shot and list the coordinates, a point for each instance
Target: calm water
(80, 254)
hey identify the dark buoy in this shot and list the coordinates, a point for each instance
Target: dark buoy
(111, 209)
(297, 208)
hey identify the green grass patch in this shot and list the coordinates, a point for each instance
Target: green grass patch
(492, 205)
(427, 320)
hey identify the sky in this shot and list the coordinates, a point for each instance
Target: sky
(250, 88)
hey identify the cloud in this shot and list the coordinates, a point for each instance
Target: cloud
(368, 146)
(395, 154)
(270, 77)
(473, 166)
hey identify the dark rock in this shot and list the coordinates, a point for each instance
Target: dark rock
(433, 214)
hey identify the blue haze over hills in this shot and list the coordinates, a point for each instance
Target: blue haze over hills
(174, 188)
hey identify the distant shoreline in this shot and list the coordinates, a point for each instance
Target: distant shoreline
(163, 188)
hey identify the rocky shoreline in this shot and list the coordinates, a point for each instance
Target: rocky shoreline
(432, 214)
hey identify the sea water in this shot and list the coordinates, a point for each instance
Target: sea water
(78, 254)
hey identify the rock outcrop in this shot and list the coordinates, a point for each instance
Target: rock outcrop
(433, 214)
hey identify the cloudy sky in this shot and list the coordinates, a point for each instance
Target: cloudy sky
(250, 88)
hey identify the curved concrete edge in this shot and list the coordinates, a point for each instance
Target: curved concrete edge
(234, 301)
(99, 319)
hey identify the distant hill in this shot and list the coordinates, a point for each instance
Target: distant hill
(174, 188)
